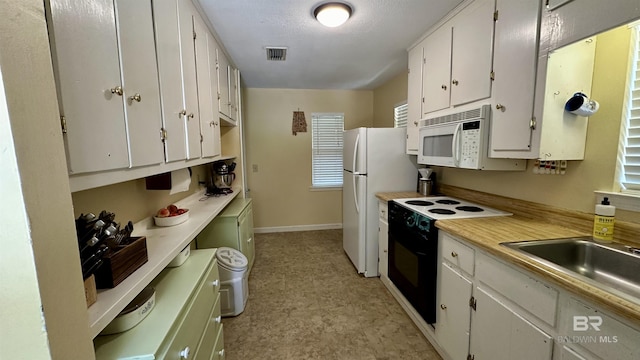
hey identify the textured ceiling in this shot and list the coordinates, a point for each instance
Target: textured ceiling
(369, 49)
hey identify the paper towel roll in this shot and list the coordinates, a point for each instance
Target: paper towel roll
(180, 181)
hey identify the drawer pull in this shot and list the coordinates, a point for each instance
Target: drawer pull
(443, 306)
(218, 319)
(221, 353)
(184, 354)
(215, 283)
(454, 254)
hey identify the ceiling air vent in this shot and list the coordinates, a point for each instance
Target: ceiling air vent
(276, 53)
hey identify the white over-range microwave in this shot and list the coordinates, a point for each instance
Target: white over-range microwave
(461, 140)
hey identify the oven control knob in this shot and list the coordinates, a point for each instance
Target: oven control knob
(411, 221)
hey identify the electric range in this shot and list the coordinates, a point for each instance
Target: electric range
(413, 245)
(444, 207)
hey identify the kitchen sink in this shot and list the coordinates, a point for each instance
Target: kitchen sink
(610, 266)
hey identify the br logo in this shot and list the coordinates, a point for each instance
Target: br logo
(583, 323)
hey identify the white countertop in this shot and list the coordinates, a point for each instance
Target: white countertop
(163, 244)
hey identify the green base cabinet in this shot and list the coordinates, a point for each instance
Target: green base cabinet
(185, 322)
(233, 228)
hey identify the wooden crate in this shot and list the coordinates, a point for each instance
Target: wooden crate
(119, 265)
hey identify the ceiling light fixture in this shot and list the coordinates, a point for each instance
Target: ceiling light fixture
(333, 14)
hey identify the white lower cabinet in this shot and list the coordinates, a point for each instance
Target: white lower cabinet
(491, 310)
(472, 322)
(498, 332)
(566, 353)
(383, 239)
(454, 312)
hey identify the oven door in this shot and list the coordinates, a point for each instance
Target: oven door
(413, 268)
(439, 144)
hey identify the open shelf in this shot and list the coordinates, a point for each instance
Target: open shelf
(163, 244)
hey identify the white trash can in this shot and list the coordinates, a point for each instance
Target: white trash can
(234, 285)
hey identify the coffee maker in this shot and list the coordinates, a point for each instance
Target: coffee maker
(221, 177)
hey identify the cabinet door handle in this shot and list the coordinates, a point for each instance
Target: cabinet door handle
(443, 306)
(444, 87)
(249, 240)
(218, 319)
(454, 254)
(415, 123)
(190, 116)
(500, 107)
(184, 354)
(215, 283)
(385, 250)
(117, 90)
(455, 82)
(135, 97)
(221, 353)
(182, 113)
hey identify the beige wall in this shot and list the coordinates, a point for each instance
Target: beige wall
(280, 187)
(386, 97)
(131, 200)
(575, 189)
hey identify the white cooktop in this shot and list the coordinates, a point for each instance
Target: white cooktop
(444, 207)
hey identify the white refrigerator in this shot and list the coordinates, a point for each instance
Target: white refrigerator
(374, 160)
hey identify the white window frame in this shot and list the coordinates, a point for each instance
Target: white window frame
(624, 197)
(629, 155)
(326, 146)
(400, 115)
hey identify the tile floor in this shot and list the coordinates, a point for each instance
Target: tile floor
(307, 302)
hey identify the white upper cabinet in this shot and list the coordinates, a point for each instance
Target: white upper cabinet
(140, 82)
(205, 47)
(186, 12)
(458, 59)
(414, 99)
(233, 93)
(436, 70)
(167, 30)
(85, 56)
(515, 63)
(471, 53)
(224, 99)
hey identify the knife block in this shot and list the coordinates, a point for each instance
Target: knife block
(119, 265)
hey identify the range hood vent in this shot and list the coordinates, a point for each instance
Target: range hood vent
(276, 53)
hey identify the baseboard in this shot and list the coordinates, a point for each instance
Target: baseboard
(264, 230)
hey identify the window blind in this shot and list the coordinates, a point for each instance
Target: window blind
(327, 129)
(400, 115)
(631, 133)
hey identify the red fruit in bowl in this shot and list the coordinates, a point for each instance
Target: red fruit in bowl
(172, 209)
(164, 212)
(182, 211)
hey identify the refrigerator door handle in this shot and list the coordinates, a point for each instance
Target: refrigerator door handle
(355, 193)
(355, 155)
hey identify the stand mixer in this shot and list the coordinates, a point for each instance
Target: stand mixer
(222, 177)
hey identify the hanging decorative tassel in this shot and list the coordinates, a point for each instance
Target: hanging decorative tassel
(299, 123)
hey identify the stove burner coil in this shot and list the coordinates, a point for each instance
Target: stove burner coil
(448, 202)
(469, 208)
(419, 202)
(442, 211)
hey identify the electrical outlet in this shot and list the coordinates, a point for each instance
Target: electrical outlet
(254, 167)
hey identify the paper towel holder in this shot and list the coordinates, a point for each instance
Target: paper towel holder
(161, 181)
